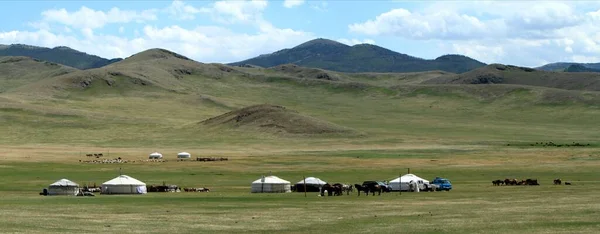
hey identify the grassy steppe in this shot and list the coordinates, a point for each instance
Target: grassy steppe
(471, 134)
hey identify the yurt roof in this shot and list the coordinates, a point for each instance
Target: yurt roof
(407, 178)
(64, 182)
(271, 180)
(156, 154)
(312, 180)
(124, 180)
(183, 153)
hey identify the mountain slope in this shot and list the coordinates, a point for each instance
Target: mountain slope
(153, 69)
(503, 74)
(19, 71)
(335, 56)
(62, 55)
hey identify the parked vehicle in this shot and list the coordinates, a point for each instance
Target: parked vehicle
(442, 184)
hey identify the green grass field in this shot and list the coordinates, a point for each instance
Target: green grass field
(468, 134)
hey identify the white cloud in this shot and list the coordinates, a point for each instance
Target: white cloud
(92, 19)
(238, 11)
(438, 25)
(180, 10)
(319, 6)
(208, 43)
(121, 29)
(524, 33)
(292, 3)
(355, 41)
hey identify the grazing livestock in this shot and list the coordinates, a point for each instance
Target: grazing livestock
(515, 182)
(347, 188)
(372, 187)
(335, 190)
(531, 182)
(360, 188)
(557, 182)
(567, 183)
(196, 189)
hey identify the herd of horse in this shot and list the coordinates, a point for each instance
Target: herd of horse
(338, 189)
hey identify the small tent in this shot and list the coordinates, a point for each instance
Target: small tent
(123, 184)
(271, 184)
(403, 182)
(313, 184)
(184, 155)
(63, 187)
(155, 155)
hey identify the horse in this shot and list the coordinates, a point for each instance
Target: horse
(335, 190)
(338, 189)
(531, 182)
(373, 188)
(497, 182)
(360, 188)
(557, 182)
(347, 188)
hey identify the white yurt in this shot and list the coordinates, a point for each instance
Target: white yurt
(63, 187)
(402, 183)
(271, 184)
(313, 184)
(155, 155)
(184, 155)
(123, 184)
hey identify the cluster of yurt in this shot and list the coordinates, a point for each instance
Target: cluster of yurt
(403, 183)
(123, 184)
(310, 184)
(62, 187)
(271, 184)
(181, 155)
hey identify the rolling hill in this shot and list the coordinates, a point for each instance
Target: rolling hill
(158, 97)
(335, 56)
(276, 119)
(503, 74)
(19, 71)
(61, 55)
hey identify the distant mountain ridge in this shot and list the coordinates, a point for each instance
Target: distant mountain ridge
(335, 56)
(61, 55)
(562, 66)
(580, 68)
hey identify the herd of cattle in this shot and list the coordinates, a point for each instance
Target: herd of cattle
(515, 182)
(523, 182)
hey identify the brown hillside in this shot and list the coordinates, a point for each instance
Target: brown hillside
(503, 74)
(275, 119)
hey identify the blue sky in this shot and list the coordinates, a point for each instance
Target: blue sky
(526, 33)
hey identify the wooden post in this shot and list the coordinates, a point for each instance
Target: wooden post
(304, 186)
